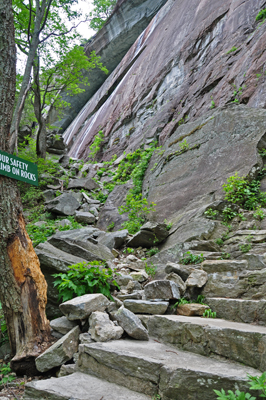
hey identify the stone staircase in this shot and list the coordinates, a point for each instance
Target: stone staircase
(186, 357)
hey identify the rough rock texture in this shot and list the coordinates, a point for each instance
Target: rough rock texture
(80, 387)
(161, 289)
(85, 217)
(54, 261)
(147, 366)
(102, 329)
(81, 243)
(212, 336)
(131, 324)
(111, 43)
(197, 278)
(178, 281)
(109, 213)
(83, 183)
(62, 325)
(146, 307)
(191, 309)
(82, 307)
(66, 204)
(149, 235)
(59, 352)
(114, 240)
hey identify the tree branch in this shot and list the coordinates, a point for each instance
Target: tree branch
(63, 33)
(46, 15)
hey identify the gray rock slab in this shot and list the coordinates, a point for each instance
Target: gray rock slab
(239, 310)
(146, 307)
(62, 325)
(59, 352)
(82, 307)
(102, 328)
(212, 266)
(54, 261)
(143, 366)
(131, 324)
(78, 386)
(140, 276)
(84, 217)
(81, 244)
(114, 240)
(66, 204)
(208, 336)
(131, 296)
(83, 183)
(162, 289)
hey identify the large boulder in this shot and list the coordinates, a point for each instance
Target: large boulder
(82, 307)
(81, 243)
(83, 183)
(54, 261)
(113, 240)
(66, 204)
(60, 352)
(150, 234)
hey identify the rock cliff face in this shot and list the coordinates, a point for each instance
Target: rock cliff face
(188, 59)
(113, 41)
(197, 73)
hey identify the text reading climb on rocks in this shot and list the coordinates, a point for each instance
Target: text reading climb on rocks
(16, 167)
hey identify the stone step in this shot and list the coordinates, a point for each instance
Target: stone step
(239, 310)
(78, 386)
(236, 341)
(233, 279)
(152, 367)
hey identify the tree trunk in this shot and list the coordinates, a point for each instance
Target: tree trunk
(22, 285)
(40, 11)
(41, 132)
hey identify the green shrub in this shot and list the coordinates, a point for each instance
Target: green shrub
(255, 383)
(96, 145)
(39, 234)
(151, 252)
(261, 15)
(151, 271)
(212, 214)
(84, 278)
(209, 314)
(244, 193)
(192, 259)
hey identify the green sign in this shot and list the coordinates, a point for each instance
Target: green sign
(17, 168)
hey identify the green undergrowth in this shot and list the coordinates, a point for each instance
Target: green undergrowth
(85, 278)
(133, 166)
(257, 383)
(39, 234)
(191, 258)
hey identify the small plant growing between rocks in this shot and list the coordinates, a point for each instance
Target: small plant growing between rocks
(110, 227)
(84, 278)
(212, 214)
(209, 314)
(151, 252)
(261, 15)
(259, 214)
(220, 242)
(151, 271)
(192, 259)
(232, 50)
(225, 256)
(245, 248)
(96, 145)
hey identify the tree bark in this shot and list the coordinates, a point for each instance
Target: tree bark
(22, 285)
(41, 132)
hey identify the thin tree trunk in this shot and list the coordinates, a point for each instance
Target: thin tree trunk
(40, 11)
(22, 285)
(41, 133)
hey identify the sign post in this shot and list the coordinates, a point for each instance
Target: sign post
(19, 169)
